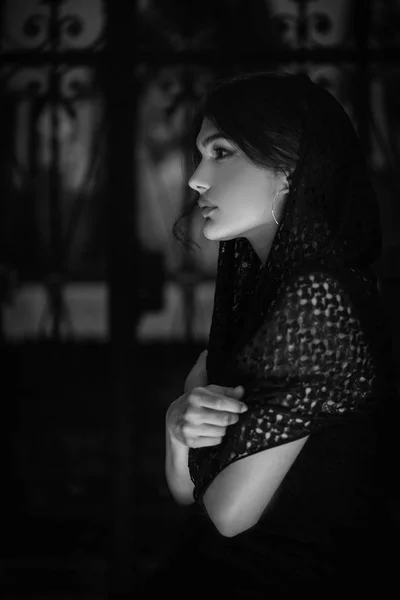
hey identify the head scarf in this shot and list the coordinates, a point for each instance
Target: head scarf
(331, 220)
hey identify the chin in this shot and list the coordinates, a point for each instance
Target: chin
(220, 236)
(214, 237)
(212, 232)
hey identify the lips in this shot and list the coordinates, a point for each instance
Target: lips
(207, 210)
(202, 204)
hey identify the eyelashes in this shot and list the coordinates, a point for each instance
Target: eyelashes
(218, 153)
(218, 149)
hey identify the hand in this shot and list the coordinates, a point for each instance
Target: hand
(200, 417)
(198, 375)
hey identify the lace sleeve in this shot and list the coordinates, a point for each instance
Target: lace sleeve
(308, 364)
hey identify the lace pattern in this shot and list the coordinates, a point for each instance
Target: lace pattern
(307, 364)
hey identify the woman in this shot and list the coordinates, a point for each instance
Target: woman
(289, 487)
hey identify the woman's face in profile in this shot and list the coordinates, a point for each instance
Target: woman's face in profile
(241, 192)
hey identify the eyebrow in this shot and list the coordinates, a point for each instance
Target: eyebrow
(211, 138)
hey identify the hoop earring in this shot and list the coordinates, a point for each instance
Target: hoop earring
(273, 202)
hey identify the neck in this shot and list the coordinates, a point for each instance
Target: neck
(262, 242)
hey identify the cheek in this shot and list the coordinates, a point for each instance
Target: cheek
(245, 195)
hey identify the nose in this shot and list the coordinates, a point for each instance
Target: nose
(198, 184)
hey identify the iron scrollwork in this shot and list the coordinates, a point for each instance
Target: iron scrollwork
(305, 23)
(52, 28)
(44, 99)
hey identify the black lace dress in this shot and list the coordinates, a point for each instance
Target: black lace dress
(307, 337)
(311, 369)
(318, 365)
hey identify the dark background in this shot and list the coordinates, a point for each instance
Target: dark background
(95, 101)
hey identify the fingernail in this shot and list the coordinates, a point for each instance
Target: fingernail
(244, 407)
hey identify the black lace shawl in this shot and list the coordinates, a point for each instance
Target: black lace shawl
(306, 335)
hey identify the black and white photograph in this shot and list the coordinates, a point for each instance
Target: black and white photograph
(200, 299)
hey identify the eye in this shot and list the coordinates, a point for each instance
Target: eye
(218, 150)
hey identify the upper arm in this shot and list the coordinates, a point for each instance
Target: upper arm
(247, 486)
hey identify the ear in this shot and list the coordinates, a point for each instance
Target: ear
(283, 181)
(287, 179)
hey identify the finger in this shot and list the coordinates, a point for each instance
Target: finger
(236, 391)
(218, 418)
(209, 430)
(203, 441)
(225, 390)
(191, 432)
(221, 403)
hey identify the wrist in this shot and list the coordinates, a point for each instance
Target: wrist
(169, 427)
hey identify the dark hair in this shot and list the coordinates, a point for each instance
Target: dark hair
(262, 113)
